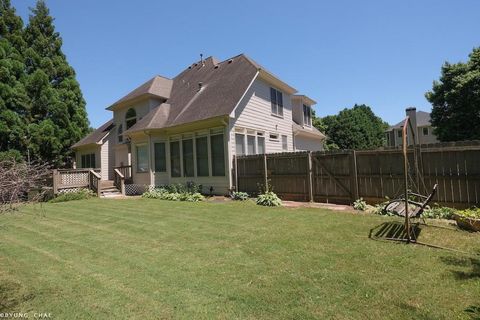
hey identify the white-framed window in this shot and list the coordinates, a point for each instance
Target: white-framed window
(260, 143)
(130, 118)
(160, 157)
(276, 99)
(307, 116)
(239, 144)
(175, 164)
(425, 131)
(284, 143)
(87, 160)
(217, 154)
(201, 146)
(188, 163)
(251, 147)
(273, 136)
(142, 158)
(119, 133)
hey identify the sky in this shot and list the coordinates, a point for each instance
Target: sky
(385, 54)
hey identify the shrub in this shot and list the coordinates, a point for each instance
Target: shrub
(76, 195)
(238, 195)
(165, 193)
(360, 205)
(470, 213)
(269, 199)
(439, 212)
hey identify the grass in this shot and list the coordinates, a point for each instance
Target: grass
(144, 259)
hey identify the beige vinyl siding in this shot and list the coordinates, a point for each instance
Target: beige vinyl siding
(254, 113)
(297, 111)
(104, 160)
(308, 144)
(88, 150)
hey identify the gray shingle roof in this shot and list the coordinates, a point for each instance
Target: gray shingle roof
(222, 86)
(423, 119)
(157, 86)
(312, 132)
(96, 136)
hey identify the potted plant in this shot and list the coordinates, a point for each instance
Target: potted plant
(468, 219)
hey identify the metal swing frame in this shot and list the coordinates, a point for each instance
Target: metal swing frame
(408, 232)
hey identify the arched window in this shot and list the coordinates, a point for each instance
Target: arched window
(119, 132)
(130, 118)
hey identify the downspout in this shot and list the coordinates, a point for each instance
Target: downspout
(150, 162)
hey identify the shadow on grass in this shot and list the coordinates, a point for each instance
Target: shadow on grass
(472, 264)
(11, 296)
(394, 230)
(473, 312)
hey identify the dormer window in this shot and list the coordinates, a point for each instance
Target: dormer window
(130, 118)
(307, 116)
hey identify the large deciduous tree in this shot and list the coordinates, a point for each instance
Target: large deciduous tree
(456, 100)
(355, 128)
(58, 116)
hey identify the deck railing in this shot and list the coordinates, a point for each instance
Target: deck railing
(72, 178)
(126, 171)
(94, 182)
(119, 180)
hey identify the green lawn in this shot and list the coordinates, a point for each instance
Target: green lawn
(145, 259)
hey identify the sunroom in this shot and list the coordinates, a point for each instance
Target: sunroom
(200, 156)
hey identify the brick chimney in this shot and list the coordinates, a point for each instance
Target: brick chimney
(412, 114)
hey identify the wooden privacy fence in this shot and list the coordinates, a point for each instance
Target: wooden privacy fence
(344, 176)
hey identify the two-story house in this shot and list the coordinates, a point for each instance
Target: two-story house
(424, 131)
(190, 127)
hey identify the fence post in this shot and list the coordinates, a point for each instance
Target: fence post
(354, 175)
(265, 171)
(310, 176)
(55, 181)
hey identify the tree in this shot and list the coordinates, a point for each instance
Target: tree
(13, 98)
(57, 116)
(356, 128)
(318, 123)
(456, 100)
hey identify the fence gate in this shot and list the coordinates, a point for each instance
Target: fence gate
(334, 177)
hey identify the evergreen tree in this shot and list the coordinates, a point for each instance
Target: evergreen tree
(13, 98)
(57, 116)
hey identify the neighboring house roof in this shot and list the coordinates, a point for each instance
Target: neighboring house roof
(313, 132)
(203, 91)
(423, 119)
(96, 136)
(158, 86)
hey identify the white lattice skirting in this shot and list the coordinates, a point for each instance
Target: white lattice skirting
(135, 189)
(69, 190)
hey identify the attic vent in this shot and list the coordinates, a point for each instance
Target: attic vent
(189, 67)
(200, 84)
(230, 60)
(216, 67)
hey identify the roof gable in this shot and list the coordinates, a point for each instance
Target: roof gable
(158, 86)
(96, 136)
